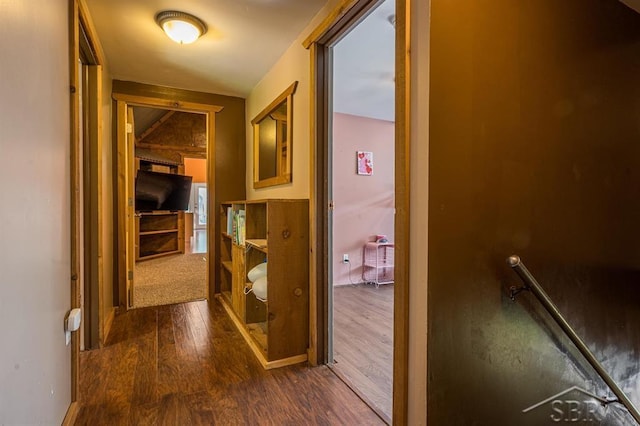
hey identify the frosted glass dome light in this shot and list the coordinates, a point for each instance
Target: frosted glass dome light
(181, 27)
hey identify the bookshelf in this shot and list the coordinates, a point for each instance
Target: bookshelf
(275, 231)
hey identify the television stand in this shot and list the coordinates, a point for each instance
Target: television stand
(159, 234)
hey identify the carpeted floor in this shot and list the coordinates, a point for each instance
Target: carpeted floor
(171, 279)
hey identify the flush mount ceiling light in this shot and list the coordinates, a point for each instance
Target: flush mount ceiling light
(181, 27)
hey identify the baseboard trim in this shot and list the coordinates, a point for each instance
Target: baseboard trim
(72, 414)
(257, 351)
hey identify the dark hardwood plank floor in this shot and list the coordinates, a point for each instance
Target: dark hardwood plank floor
(186, 364)
(363, 341)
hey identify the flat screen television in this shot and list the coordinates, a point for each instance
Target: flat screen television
(162, 191)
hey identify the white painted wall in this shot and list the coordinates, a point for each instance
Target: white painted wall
(34, 212)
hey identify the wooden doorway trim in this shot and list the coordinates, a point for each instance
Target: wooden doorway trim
(343, 17)
(80, 23)
(134, 96)
(74, 82)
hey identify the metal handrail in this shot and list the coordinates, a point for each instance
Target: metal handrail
(532, 285)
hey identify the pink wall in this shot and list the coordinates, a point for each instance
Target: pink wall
(364, 205)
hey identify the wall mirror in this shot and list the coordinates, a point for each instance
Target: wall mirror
(272, 141)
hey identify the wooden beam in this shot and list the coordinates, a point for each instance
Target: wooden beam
(149, 91)
(174, 104)
(155, 125)
(183, 148)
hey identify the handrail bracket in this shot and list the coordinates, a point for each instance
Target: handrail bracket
(514, 291)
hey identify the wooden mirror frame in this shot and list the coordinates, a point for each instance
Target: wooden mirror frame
(283, 167)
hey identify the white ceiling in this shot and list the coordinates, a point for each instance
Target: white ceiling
(244, 40)
(364, 67)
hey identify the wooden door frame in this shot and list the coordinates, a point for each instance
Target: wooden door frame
(123, 99)
(79, 17)
(343, 17)
(93, 313)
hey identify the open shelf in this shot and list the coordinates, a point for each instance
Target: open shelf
(277, 329)
(164, 231)
(159, 234)
(260, 244)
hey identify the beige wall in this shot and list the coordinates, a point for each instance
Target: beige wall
(364, 205)
(34, 212)
(293, 65)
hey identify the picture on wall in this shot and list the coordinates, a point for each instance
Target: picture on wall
(364, 163)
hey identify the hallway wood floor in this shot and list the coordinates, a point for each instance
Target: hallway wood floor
(187, 364)
(363, 341)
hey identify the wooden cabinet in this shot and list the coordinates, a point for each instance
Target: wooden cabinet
(159, 234)
(275, 232)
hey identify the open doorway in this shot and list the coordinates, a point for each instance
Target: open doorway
(151, 222)
(197, 216)
(362, 190)
(168, 267)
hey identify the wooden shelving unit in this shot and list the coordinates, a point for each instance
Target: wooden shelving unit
(277, 330)
(159, 234)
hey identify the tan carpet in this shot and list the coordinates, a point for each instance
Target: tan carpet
(171, 279)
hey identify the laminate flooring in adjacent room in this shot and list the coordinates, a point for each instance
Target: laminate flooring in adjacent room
(187, 364)
(363, 341)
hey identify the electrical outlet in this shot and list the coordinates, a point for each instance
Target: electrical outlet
(345, 258)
